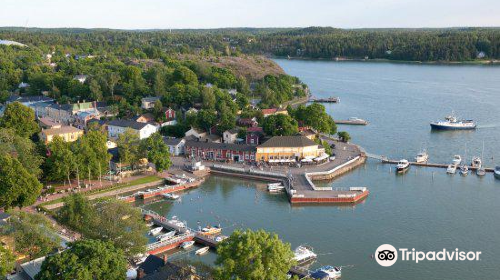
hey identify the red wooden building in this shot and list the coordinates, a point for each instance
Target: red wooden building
(220, 151)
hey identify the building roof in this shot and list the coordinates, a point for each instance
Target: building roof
(48, 122)
(220, 146)
(172, 141)
(150, 99)
(233, 130)
(32, 268)
(29, 99)
(128, 123)
(152, 264)
(288, 141)
(61, 130)
(257, 129)
(148, 116)
(269, 111)
(173, 271)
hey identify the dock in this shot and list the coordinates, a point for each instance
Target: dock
(325, 100)
(162, 190)
(351, 122)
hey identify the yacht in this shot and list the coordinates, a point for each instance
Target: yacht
(166, 236)
(422, 157)
(457, 159)
(304, 254)
(209, 230)
(496, 172)
(464, 170)
(327, 272)
(403, 166)
(172, 196)
(221, 238)
(202, 251)
(452, 169)
(451, 122)
(187, 244)
(155, 231)
(476, 162)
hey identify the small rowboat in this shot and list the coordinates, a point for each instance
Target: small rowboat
(155, 231)
(202, 251)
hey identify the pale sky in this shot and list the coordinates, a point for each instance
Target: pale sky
(164, 14)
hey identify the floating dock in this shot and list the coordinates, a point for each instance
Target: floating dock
(161, 190)
(435, 165)
(325, 100)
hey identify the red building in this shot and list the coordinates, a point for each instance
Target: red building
(254, 135)
(170, 114)
(220, 151)
(248, 122)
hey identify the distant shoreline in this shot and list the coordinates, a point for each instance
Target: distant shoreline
(383, 60)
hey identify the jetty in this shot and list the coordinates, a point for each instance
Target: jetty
(150, 193)
(325, 100)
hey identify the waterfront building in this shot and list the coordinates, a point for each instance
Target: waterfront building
(220, 151)
(67, 133)
(288, 148)
(254, 136)
(143, 130)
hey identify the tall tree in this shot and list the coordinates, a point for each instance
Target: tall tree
(7, 261)
(157, 151)
(85, 259)
(92, 154)
(61, 162)
(281, 125)
(20, 118)
(23, 148)
(128, 147)
(250, 255)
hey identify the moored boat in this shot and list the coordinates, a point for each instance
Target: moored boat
(187, 244)
(481, 172)
(451, 122)
(210, 230)
(275, 187)
(496, 172)
(422, 157)
(327, 272)
(155, 231)
(172, 196)
(202, 251)
(464, 170)
(304, 254)
(476, 162)
(452, 169)
(457, 159)
(403, 166)
(166, 236)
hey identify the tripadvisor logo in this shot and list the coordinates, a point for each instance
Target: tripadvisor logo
(387, 255)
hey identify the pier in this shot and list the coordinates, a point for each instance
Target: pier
(325, 100)
(162, 190)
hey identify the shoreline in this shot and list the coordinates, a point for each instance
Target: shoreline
(384, 60)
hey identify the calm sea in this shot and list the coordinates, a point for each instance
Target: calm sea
(425, 209)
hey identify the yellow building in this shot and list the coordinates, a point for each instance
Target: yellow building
(288, 148)
(67, 133)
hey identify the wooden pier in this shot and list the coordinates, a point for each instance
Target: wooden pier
(325, 100)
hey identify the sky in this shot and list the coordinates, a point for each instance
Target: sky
(174, 14)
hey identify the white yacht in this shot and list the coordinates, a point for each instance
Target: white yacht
(496, 172)
(172, 196)
(457, 159)
(476, 162)
(327, 272)
(452, 169)
(304, 254)
(187, 244)
(202, 251)
(403, 166)
(166, 236)
(464, 170)
(422, 157)
(155, 231)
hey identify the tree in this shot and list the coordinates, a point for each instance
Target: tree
(344, 136)
(85, 259)
(280, 124)
(206, 119)
(158, 112)
(316, 117)
(157, 151)
(18, 187)
(20, 118)
(250, 255)
(23, 148)
(7, 261)
(92, 154)
(112, 80)
(77, 212)
(128, 147)
(61, 161)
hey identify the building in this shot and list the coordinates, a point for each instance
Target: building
(288, 148)
(27, 271)
(82, 118)
(46, 123)
(254, 136)
(67, 133)
(220, 151)
(145, 118)
(81, 78)
(149, 102)
(230, 136)
(175, 145)
(273, 111)
(307, 132)
(66, 113)
(143, 130)
(195, 133)
(248, 122)
(169, 114)
(37, 103)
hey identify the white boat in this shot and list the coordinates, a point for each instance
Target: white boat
(171, 196)
(275, 187)
(166, 236)
(496, 172)
(422, 157)
(403, 166)
(327, 272)
(221, 238)
(202, 251)
(155, 231)
(451, 122)
(481, 172)
(476, 162)
(464, 170)
(457, 159)
(452, 169)
(174, 221)
(187, 244)
(304, 254)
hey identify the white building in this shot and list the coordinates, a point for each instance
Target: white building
(195, 133)
(230, 136)
(143, 130)
(148, 102)
(175, 145)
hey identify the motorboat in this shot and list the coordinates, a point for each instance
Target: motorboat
(422, 157)
(327, 272)
(275, 187)
(172, 196)
(221, 238)
(451, 122)
(304, 254)
(457, 159)
(476, 162)
(202, 251)
(496, 172)
(464, 170)
(176, 222)
(481, 172)
(209, 230)
(187, 244)
(166, 236)
(155, 231)
(403, 166)
(452, 169)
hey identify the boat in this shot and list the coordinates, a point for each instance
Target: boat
(187, 244)
(327, 272)
(209, 230)
(496, 172)
(451, 122)
(403, 166)
(275, 187)
(476, 162)
(457, 159)
(166, 236)
(202, 251)
(452, 169)
(172, 196)
(155, 231)
(422, 157)
(174, 221)
(140, 258)
(481, 172)
(304, 254)
(221, 238)
(464, 170)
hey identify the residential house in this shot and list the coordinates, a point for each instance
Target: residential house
(169, 113)
(248, 122)
(145, 118)
(307, 132)
(288, 148)
(195, 133)
(149, 102)
(80, 78)
(175, 145)
(143, 130)
(273, 111)
(28, 270)
(230, 136)
(67, 133)
(220, 151)
(46, 123)
(38, 103)
(65, 113)
(81, 119)
(254, 135)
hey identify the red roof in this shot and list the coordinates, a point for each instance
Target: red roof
(269, 111)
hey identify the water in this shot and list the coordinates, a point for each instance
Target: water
(424, 209)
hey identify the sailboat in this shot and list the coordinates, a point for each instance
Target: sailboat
(481, 171)
(464, 170)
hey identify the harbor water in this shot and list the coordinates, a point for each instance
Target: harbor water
(425, 209)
